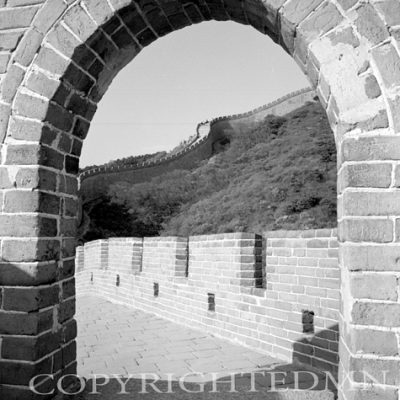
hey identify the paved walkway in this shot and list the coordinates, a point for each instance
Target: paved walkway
(117, 340)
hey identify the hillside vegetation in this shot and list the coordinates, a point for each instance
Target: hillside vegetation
(280, 175)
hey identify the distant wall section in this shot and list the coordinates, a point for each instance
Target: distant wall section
(95, 182)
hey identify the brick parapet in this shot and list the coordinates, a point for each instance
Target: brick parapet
(298, 270)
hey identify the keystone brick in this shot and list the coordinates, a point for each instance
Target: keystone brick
(384, 286)
(30, 299)
(377, 314)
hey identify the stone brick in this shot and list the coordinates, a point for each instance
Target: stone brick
(371, 258)
(365, 175)
(371, 148)
(17, 17)
(79, 22)
(68, 185)
(68, 288)
(370, 25)
(366, 230)
(346, 4)
(27, 226)
(371, 203)
(372, 88)
(11, 82)
(99, 10)
(48, 14)
(28, 47)
(62, 40)
(66, 310)
(394, 105)
(68, 227)
(50, 61)
(29, 348)
(387, 60)
(71, 165)
(4, 60)
(27, 201)
(374, 342)
(27, 274)
(382, 371)
(30, 299)
(384, 286)
(9, 40)
(13, 373)
(30, 106)
(42, 84)
(30, 250)
(17, 323)
(390, 10)
(321, 21)
(28, 154)
(59, 117)
(34, 178)
(378, 314)
(33, 131)
(5, 111)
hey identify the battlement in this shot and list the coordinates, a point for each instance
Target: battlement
(277, 292)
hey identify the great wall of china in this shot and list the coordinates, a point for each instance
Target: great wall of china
(94, 182)
(57, 60)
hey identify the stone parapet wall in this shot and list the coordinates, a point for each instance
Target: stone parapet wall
(264, 288)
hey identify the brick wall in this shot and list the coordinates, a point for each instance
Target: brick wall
(265, 289)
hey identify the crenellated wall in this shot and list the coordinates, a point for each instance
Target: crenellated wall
(261, 286)
(95, 181)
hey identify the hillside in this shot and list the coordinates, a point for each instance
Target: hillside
(279, 175)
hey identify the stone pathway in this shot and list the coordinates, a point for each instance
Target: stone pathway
(114, 339)
(118, 341)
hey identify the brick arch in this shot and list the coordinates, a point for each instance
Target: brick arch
(58, 71)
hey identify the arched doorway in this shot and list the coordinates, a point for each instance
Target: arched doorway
(59, 69)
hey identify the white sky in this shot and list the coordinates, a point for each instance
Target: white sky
(198, 73)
